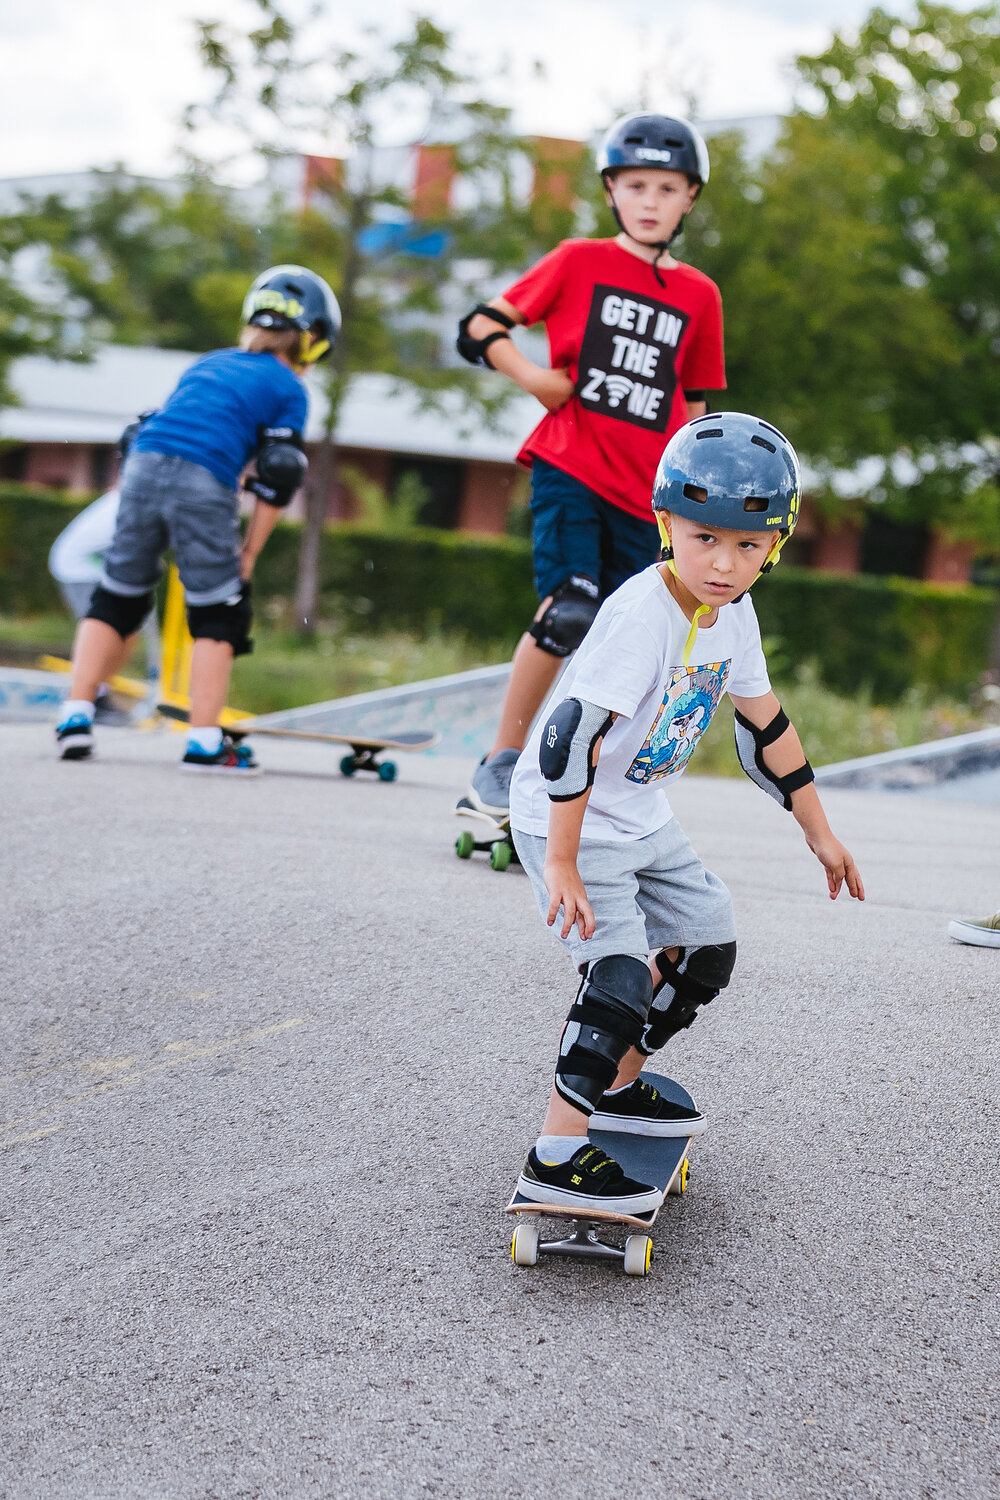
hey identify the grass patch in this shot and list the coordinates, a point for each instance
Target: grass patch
(22, 640)
(834, 728)
(285, 672)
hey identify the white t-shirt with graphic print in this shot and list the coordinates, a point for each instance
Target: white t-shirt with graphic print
(631, 663)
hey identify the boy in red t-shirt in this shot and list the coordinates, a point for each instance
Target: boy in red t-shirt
(635, 340)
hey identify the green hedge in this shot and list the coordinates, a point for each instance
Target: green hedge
(30, 521)
(883, 634)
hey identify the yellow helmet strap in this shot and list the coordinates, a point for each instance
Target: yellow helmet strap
(310, 352)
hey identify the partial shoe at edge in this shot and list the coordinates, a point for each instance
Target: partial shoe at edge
(981, 932)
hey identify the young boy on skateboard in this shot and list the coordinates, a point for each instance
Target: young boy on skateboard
(635, 340)
(179, 489)
(650, 930)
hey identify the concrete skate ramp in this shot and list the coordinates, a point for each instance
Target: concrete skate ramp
(463, 708)
(964, 767)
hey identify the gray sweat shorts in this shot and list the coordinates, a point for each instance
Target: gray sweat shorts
(647, 893)
(170, 502)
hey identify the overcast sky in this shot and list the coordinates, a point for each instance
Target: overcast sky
(104, 80)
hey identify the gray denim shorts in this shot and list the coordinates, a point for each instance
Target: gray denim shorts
(647, 893)
(170, 502)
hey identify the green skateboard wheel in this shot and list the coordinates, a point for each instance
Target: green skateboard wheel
(500, 855)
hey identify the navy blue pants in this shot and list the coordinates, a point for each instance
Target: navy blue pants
(575, 530)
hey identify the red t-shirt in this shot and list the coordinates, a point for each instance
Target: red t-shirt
(632, 347)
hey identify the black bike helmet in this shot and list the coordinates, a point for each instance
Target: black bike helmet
(654, 141)
(730, 470)
(293, 297)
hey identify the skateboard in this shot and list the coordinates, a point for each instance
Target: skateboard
(365, 749)
(497, 842)
(660, 1160)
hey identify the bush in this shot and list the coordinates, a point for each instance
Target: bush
(878, 635)
(417, 579)
(30, 521)
(882, 635)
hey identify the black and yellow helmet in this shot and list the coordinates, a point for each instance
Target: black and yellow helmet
(294, 297)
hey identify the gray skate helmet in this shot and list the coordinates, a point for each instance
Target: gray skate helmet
(730, 470)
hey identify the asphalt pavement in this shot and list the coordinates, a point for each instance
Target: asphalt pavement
(271, 1060)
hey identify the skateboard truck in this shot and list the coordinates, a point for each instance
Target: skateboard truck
(527, 1245)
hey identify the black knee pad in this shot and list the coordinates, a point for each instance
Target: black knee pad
(230, 620)
(693, 979)
(568, 618)
(607, 1019)
(123, 612)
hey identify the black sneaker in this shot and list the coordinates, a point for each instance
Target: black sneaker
(642, 1110)
(231, 759)
(75, 738)
(590, 1179)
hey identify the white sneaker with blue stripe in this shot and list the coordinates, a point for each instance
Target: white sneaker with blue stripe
(75, 738)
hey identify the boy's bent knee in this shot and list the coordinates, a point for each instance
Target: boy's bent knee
(123, 612)
(607, 1018)
(229, 620)
(691, 980)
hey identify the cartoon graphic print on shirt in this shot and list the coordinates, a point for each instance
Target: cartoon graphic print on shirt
(691, 698)
(626, 367)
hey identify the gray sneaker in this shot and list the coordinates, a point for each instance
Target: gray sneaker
(984, 932)
(489, 789)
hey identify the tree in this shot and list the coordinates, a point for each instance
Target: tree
(282, 86)
(917, 94)
(921, 92)
(137, 263)
(824, 336)
(27, 324)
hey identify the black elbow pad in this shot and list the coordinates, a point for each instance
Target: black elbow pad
(281, 466)
(751, 743)
(474, 350)
(128, 434)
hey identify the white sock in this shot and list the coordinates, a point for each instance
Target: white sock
(80, 706)
(208, 739)
(555, 1149)
(623, 1090)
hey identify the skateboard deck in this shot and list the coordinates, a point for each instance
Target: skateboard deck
(659, 1160)
(495, 839)
(365, 748)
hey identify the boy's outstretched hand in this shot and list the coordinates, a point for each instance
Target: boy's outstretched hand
(567, 890)
(838, 864)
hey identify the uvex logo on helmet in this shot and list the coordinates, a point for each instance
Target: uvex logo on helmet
(649, 153)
